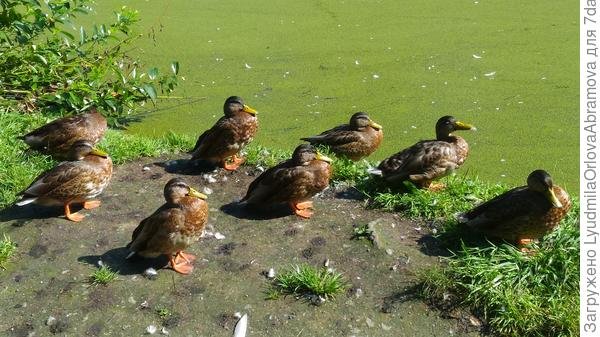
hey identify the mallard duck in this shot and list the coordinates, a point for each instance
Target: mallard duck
(57, 137)
(293, 181)
(77, 181)
(173, 226)
(355, 140)
(429, 159)
(221, 143)
(523, 213)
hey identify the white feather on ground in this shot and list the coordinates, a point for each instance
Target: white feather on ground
(241, 327)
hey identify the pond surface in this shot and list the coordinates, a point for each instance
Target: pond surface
(510, 68)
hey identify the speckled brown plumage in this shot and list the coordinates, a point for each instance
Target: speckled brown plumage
(172, 227)
(355, 140)
(76, 181)
(57, 137)
(293, 181)
(429, 159)
(229, 135)
(523, 213)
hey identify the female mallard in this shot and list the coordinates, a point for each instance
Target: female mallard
(429, 159)
(173, 226)
(57, 137)
(76, 181)
(293, 181)
(228, 136)
(523, 213)
(355, 140)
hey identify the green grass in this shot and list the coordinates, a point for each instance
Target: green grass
(525, 112)
(362, 232)
(163, 312)
(103, 275)
(307, 280)
(461, 194)
(20, 167)
(528, 295)
(7, 249)
(257, 155)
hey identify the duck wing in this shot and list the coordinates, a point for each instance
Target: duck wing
(152, 234)
(512, 207)
(339, 135)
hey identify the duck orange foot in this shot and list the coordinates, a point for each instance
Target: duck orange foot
(76, 217)
(182, 267)
(234, 164)
(302, 209)
(91, 204)
(436, 187)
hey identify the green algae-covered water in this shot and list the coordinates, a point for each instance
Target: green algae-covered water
(509, 67)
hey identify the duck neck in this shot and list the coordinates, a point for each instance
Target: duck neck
(444, 136)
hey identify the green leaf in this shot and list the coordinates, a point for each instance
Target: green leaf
(149, 90)
(175, 67)
(152, 73)
(41, 58)
(67, 34)
(82, 35)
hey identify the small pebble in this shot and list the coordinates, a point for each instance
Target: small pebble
(151, 329)
(150, 273)
(207, 190)
(370, 322)
(389, 251)
(51, 321)
(237, 315)
(317, 300)
(164, 331)
(219, 236)
(271, 273)
(386, 327)
(326, 263)
(146, 168)
(100, 264)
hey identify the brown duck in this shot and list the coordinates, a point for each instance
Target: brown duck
(428, 160)
(293, 181)
(220, 144)
(77, 181)
(173, 227)
(355, 140)
(522, 214)
(57, 137)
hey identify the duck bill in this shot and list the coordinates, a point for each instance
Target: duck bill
(249, 110)
(99, 153)
(464, 126)
(323, 158)
(375, 125)
(196, 194)
(553, 199)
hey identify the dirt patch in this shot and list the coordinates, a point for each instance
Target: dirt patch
(57, 256)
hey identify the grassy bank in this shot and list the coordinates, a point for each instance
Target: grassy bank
(20, 167)
(515, 294)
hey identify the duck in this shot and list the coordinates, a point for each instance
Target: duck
(293, 181)
(428, 160)
(221, 144)
(79, 180)
(522, 214)
(355, 140)
(173, 227)
(57, 137)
